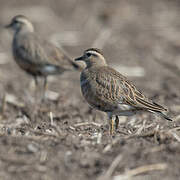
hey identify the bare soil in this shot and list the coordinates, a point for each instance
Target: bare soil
(63, 138)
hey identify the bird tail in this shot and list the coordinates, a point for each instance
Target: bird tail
(76, 66)
(154, 108)
(161, 114)
(71, 61)
(150, 105)
(73, 64)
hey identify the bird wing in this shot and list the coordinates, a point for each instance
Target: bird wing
(59, 56)
(36, 50)
(118, 88)
(28, 48)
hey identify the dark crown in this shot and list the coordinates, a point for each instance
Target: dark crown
(19, 17)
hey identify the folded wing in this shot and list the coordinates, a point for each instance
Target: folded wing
(38, 51)
(118, 88)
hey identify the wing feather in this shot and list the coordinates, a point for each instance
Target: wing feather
(36, 50)
(119, 89)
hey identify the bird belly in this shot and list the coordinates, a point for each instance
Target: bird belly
(124, 110)
(22, 63)
(50, 70)
(28, 67)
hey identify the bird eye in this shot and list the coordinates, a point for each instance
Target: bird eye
(88, 54)
(15, 21)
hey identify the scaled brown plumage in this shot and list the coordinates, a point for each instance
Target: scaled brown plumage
(107, 90)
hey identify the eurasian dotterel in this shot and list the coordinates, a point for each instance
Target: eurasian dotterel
(107, 90)
(35, 55)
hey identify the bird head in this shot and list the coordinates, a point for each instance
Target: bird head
(92, 57)
(20, 22)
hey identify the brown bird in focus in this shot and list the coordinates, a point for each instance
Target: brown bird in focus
(35, 55)
(107, 90)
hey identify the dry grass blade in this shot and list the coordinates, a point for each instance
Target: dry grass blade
(177, 118)
(57, 130)
(3, 108)
(99, 138)
(51, 118)
(140, 170)
(115, 141)
(87, 124)
(175, 136)
(43, 134)
(11, 99)
(109, 146)
(111, 169)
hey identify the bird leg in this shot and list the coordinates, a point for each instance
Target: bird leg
(111, 124)
(35, 91)
(36, 81)
(111, 131)
(3, 108)
(44, 88)
(116, 122)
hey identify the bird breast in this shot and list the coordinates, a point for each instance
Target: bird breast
(90, 91)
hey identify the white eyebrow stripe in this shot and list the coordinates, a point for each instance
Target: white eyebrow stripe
(96, 54)
(27, 23)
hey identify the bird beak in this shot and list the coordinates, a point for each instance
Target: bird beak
(80, 58)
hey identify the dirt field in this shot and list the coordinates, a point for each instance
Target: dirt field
(64, 138)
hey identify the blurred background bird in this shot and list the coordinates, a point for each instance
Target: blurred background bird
(107, 90)
(36, 56)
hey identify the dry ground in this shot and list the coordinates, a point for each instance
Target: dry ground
(63, 138)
